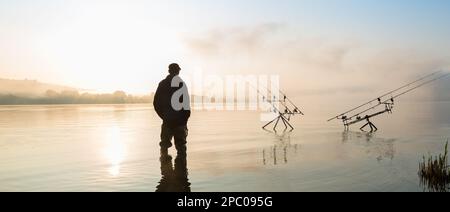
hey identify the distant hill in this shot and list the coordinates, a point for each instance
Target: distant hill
(32, 92)
(29, 87)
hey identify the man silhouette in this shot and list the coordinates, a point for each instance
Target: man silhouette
(172, 103)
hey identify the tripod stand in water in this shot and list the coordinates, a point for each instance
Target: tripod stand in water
(284, 115)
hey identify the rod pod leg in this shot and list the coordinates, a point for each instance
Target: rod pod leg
(287, 122)
(276, 124)
(269, 123)
(362, 128)
(285, 125)
(373, 126)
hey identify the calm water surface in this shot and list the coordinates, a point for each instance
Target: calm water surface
(115, 148)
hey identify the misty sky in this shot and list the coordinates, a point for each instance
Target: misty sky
(315, 45)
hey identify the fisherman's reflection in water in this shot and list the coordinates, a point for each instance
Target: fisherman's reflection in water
(174, 178)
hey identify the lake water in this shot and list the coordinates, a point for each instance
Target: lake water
(115, 148)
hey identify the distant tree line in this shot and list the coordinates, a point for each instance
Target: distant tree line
(74, 97)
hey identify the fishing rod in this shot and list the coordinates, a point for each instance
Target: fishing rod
(386, 94)
(391, 100)
(389, 103)
(265, 99)
(281, 114)
(296, 110)
(284, 102)
(423, 84)
(285, 97)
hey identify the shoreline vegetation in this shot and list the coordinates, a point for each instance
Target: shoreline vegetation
(52, 97)
(33, 92)
(434, 172)
(75, 98)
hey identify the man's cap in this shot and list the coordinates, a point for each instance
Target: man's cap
(174, 66)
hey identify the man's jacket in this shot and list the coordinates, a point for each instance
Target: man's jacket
(163, 106)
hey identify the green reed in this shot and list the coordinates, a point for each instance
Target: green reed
(435, 173)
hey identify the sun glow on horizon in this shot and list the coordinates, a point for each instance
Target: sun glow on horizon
(112, 50)
(103, 46)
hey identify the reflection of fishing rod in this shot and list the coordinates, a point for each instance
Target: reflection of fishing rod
(384, 95)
